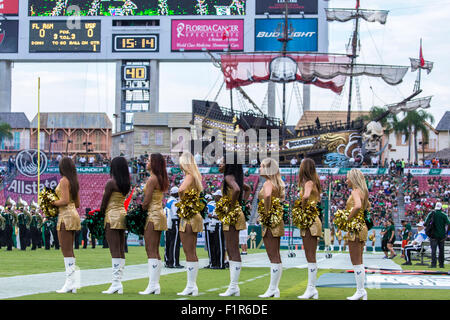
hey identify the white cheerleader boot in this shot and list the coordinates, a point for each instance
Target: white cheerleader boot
(191, 287)
(154, 271)
(360, 276)
(69, 285)
(276, 270)
(233, 288)
(116, 285)
(311, 291)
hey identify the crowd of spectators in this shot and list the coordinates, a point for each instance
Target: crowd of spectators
(422, 193)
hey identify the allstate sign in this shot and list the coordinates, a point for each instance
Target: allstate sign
(304, 34)
(27, 162)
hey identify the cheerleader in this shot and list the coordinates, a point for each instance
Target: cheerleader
(233, 187)
(310, 190)
(116, 190)
(154, 189)
(68, 219)
(372, 238)
(190, 227)
(358, 202)
(339, 239)
(273, 187)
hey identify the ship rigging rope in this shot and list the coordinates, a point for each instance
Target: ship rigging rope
(219, 75)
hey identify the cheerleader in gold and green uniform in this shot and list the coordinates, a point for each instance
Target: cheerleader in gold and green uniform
(154, 189)
(310, 192)
(273, 188)
(358, 202)
(68, 219)
(116, 190)
(189, 227)
(233, 188)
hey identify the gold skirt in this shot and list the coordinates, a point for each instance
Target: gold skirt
(240, 224)
(116, 219)
(158, 218)
(69, 216)
(277, 231)
(315, 229)
(360, 236)
(196, 223)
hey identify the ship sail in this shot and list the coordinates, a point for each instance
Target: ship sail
(392, 75)
(343, 15)
(416, 64)
(411, 105)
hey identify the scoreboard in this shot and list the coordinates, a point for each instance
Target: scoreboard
(142, 30)
(65, 36)
(135, 42)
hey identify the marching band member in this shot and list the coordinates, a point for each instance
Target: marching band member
(358, 202)
(310, 190)
(234, 187)
(68, 218)
(116, 190)
(191, 226)
(154, 190)
(273, 187)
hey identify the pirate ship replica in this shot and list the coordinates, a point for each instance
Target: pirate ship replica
(337, 143)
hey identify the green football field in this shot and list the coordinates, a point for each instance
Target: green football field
(253, 281)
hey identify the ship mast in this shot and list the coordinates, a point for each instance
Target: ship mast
(353, 57)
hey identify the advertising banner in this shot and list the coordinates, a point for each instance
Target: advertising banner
(294, 6)
(82, 170)
(9, 30)
(9, 7)
(212, 35)
(304, 35)
(135, 7)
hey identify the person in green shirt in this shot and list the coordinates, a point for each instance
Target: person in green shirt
(391, 238)
(384, 240)
(437, 237)
(406, 234)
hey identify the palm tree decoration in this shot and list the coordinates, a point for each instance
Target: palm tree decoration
(379, 114)
(413, 123)
(5, 131)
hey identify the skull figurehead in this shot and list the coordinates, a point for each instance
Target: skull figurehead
(372, 136)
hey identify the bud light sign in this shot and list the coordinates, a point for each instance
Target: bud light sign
(303, 32)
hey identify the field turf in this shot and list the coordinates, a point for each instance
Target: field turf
(253, 281)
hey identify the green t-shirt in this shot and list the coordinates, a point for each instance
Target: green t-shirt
(385, 235)
(440, 222)
(406, 232)
(390, 231)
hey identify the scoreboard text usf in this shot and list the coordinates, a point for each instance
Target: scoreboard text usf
(65, 36)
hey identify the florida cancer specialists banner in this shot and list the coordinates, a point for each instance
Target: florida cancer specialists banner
(9, 7)
(304, 35)
(294, 6)
(212, 35)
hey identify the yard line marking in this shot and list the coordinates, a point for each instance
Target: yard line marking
(224, 287)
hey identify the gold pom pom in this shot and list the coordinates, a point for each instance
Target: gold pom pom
(227, 215)
(343, 223)
(274, 217)
(46, 198)
(304, 217)
(190, 205)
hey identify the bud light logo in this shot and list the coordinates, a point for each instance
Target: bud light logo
(303, 32)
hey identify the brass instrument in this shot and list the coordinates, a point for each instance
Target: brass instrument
(21, 204)
(34, 206)
(2, 219)
(10, 202)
